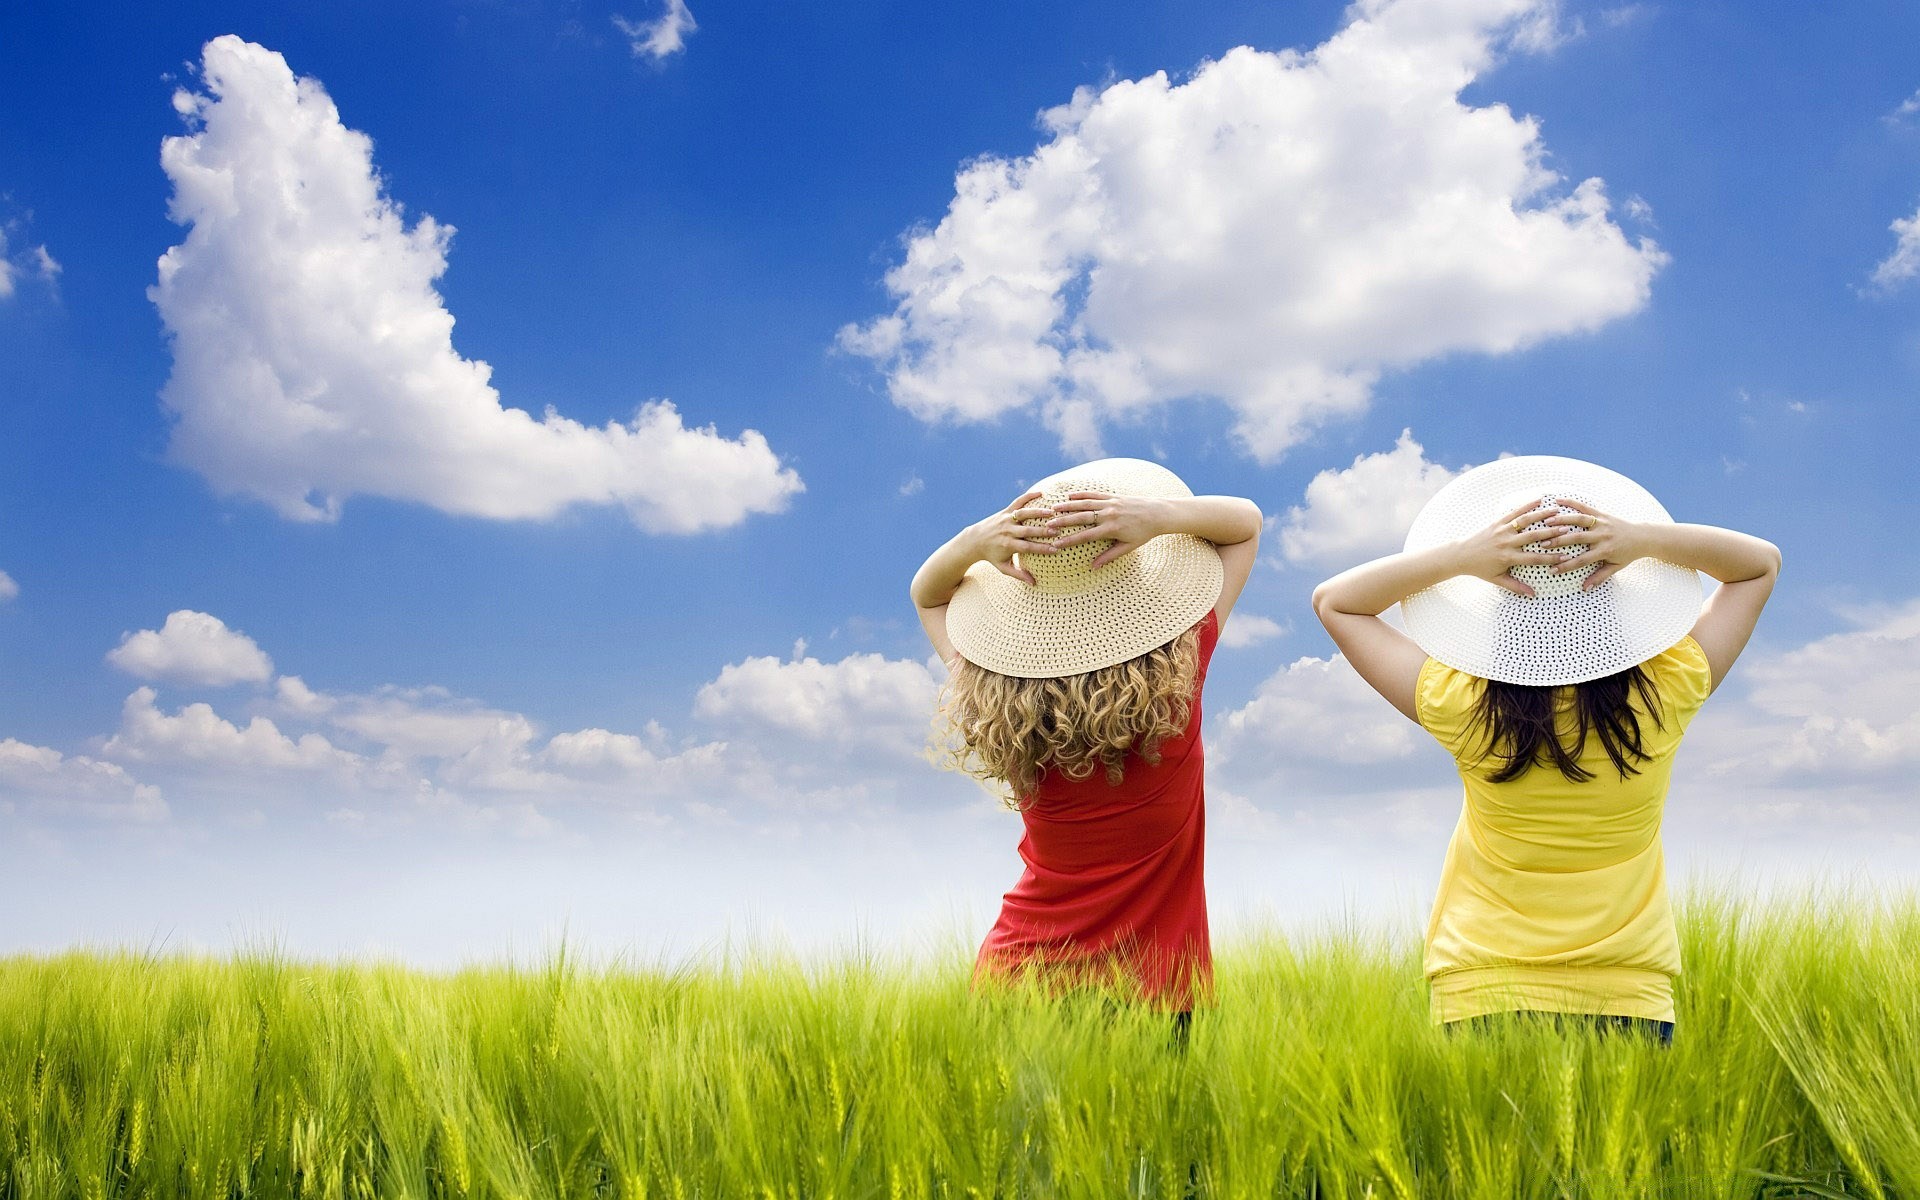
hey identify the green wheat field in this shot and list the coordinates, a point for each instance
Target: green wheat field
(1796, 1072)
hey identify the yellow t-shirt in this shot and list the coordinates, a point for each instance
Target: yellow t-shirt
(1554, 893)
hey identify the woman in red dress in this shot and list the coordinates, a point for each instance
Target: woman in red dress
(1077, 624)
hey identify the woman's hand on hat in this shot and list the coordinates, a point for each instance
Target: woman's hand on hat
(1491, 553)
(1004, 534)
(1128, 521)
(1610, 543)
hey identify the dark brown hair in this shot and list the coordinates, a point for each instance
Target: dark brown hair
(1519, 722)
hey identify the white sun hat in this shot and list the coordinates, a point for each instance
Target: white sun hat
(1560, 635)
(1072, 619)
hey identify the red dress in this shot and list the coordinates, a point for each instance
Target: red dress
(1114, 879)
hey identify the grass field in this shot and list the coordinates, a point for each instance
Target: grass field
(1796, 1072)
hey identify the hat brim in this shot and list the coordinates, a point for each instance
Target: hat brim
(1564, 635)
(1154, 594)
(1085, 620)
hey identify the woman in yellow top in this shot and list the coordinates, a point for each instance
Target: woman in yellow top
(1556, 644)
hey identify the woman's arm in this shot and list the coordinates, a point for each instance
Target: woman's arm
(1231, 523)
(1745, 566)
(996, 540)
(1350, 603)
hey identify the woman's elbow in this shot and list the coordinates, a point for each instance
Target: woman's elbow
(1323, 607)
(1767, 560)
(1256, 520)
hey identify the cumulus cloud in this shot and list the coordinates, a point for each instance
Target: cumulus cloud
(1249, 629)
(313, 358)
(1842, 706)
(795, 738)
(1314, 714)
(405, 755)
(32, 262)
(1274, 232)
(662, 37)
(296, 697)
(426, 722)
(198, 735)
(1904, 263)
(37, 779)
(603, 754)
(8, 588)
(422, 751)
(1363, 511)
(457, 742)
(192, 647)
(863, 700)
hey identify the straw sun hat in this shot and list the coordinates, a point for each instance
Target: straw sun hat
(1560, 635)
(1071, 619)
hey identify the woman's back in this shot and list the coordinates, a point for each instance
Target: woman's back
(1554, 889)
(1116, 869)
(1542, 820)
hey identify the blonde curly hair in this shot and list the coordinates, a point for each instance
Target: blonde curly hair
(1004, 730)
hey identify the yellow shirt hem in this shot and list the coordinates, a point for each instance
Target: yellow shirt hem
(1465, 992)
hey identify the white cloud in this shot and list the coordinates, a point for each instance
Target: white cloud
(192, 647)
(1276, 232)
(862, 700)
(447, 740)
(403, 755)
(599, 753)
(44, 781)
(31, 261)
(198, 735)
(1544, 28)
(815, 738)
(1314, 714)
(8, 588)
(1623, 15)
(1904, 263)
(1250, 629)
(1363, 511)
(313, 357)
(426, 722)
(662, 37)
(1905, 109)
(296, 697)
(1843, 706)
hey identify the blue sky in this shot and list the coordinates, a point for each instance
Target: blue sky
(571, 693)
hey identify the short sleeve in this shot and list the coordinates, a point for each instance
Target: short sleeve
(1682, 677)
(1443, 701)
